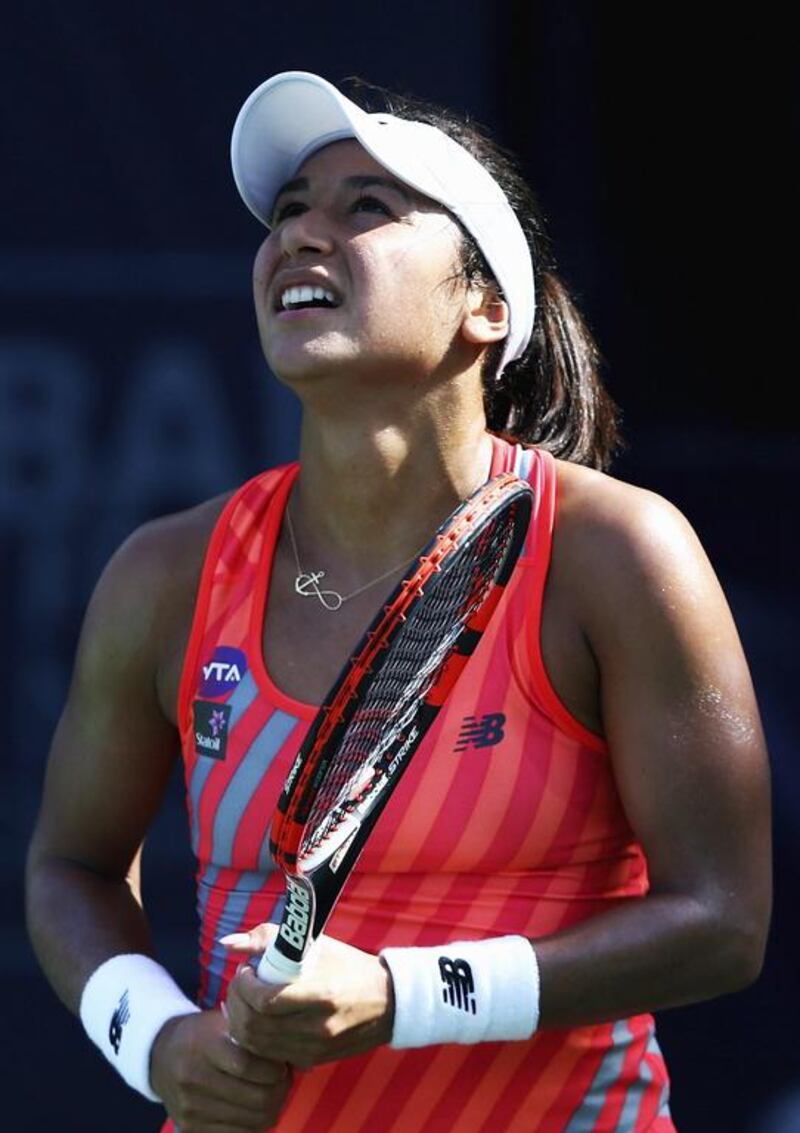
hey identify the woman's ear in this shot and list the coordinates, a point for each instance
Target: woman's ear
(485, 316)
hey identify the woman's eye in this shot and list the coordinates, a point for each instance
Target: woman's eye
(371, 204)
(291, 208)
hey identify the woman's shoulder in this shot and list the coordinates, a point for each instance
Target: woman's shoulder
(629, 541)
(150, 581)
(170, 546)
(593, 504)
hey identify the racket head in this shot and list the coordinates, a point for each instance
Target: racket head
(387, 697)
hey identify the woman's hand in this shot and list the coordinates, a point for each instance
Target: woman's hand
(207, 1083)
(342, 1004)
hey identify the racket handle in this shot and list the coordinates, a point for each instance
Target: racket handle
(275, 968)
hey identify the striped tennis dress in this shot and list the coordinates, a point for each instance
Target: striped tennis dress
(507, 821)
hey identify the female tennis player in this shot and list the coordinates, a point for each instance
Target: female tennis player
(582, 838)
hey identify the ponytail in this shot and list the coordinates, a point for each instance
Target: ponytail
(553, 395)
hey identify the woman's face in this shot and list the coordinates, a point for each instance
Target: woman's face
(386, 260)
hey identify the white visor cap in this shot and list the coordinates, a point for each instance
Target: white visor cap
(295, 113)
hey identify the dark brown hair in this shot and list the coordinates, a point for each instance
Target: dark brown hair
(552, 396)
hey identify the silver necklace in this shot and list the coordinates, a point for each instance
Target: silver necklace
(307, 583)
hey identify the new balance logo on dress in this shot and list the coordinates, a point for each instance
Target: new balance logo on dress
(458, 985)
(122, 1014)
(481, 731)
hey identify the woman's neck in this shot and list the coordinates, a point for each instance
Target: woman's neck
(375, 493)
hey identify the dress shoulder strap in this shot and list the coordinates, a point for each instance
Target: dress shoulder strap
(540, 469)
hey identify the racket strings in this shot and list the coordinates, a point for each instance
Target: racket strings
(396, 692)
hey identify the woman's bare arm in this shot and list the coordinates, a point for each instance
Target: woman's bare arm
(689, 757)
(108, 768)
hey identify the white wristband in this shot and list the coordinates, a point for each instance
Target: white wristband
(466, 992)
(125, 1003)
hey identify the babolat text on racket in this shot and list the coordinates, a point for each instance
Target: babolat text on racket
(383, 703)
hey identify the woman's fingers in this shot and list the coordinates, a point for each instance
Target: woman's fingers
(252, 942)
(205, 1080)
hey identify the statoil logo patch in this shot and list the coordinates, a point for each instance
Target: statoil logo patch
(211, 723)
(223, 672)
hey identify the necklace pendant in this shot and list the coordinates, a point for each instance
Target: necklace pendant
(307, 584)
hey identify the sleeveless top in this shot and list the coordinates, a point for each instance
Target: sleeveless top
(507, 820)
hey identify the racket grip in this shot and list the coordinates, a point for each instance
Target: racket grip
(275, 968)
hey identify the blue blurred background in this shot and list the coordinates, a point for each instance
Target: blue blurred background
(131, 381)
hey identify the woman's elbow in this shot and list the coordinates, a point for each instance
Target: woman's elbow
(742, 943)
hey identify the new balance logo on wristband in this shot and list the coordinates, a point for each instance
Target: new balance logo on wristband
(458, 985)
(483, 731)
(122, 1014)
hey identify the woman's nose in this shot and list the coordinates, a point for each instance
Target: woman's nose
(306, 232)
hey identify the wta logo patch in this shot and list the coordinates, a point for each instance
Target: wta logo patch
(211, 728)
(223, 672)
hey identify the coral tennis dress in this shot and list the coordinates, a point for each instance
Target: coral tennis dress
(508, 820)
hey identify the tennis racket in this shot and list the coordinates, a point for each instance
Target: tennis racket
(381, 706)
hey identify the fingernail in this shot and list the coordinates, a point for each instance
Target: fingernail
(235, 940)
